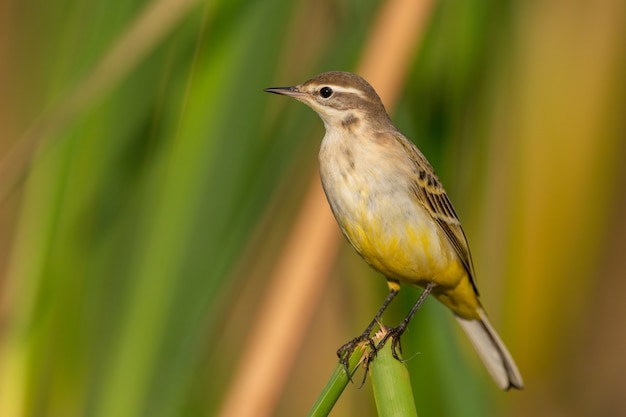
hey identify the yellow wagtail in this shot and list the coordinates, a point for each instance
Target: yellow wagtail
(393, 210)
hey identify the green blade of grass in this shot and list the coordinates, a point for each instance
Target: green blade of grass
(392, 385)
(390, 379)
(336, 384)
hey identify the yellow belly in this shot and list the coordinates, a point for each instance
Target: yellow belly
(415, 256)
(381, 217)
(408, 248)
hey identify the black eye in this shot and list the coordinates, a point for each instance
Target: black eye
(326, 92)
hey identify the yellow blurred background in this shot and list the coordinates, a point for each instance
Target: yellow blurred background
(165, 247)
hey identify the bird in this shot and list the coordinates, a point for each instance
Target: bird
(392, 208)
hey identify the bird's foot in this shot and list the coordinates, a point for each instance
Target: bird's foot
(393, 333)
(345, 352)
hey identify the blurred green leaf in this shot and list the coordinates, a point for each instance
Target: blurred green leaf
(162, 187)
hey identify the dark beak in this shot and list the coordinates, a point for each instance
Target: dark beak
(285, 91)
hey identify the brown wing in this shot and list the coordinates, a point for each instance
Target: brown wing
(433, 197)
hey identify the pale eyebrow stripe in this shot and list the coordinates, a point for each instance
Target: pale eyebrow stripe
(349, 90)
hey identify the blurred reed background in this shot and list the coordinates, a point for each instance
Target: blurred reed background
(155, 203)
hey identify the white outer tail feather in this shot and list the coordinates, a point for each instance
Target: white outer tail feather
(492, 351)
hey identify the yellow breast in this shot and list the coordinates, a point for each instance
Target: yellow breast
(403, 244)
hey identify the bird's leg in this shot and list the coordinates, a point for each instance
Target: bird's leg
(396, 332)
(345, 351)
